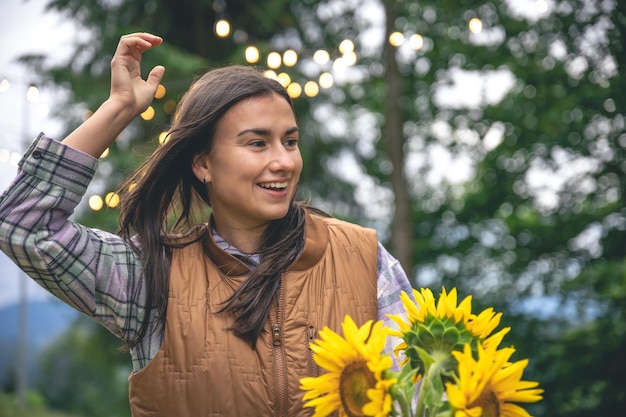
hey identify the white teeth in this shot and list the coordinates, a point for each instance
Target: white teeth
(274, 184)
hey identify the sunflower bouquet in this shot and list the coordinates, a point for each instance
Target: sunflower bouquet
(451, 365)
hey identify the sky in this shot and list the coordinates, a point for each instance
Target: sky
(25, 29)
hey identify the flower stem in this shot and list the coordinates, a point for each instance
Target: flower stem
(419, 410)
(405, 404)
(425, 391)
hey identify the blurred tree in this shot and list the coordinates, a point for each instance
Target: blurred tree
(84, 372)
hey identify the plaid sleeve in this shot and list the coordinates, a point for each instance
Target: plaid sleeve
(95, 272)
(392, 280)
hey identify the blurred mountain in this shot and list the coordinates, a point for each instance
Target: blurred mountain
(46, 320)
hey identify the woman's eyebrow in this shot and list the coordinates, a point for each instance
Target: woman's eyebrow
(265, 132)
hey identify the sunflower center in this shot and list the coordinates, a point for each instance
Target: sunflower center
(354, 382)
(490, 403)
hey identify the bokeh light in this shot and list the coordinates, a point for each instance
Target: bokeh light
(160, 91)
(274, 60)
(252, 54)
(284, 79)
(290, 57)
(32, 94)
(294, 90)
(346, 46)
(475, 25)
(311, 89)
(163, 137)
(326, 80)
(396, 38)
(96, 203)
(222, 28)
(321, 57)
(112, 199)
(148, 114)
(416, 41)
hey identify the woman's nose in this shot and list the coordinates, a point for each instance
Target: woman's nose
(282, 159)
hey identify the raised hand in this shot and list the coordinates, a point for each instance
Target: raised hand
(127, 84)
(129, 96)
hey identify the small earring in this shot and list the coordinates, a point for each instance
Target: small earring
(204, 181)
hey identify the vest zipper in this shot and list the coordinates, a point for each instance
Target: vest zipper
(280, 371)
(314, 369)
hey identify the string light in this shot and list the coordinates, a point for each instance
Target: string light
(349, 58)
(252, 54)
(326, 80)
(416, 41)
(12, 158)
(284, 79)
(321, 57)
(222, 28)
(294, 90)
(95, 203)
(290, 57)
(339, 65)
(270, 74)
(32, 94)
(475, 25)
(396, 39)
(274, 60)
(160, 91)
(346, 46)
(148, 114)
(112, 199)
(163, 137)
(311, 89)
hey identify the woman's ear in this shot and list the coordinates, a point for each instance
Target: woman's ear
(200, 168)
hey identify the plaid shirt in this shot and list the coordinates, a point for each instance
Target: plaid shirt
(95, 271)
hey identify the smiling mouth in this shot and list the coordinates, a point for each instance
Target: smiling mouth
(278, 186)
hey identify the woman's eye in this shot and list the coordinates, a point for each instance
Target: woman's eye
(291, 142)
(257, 143)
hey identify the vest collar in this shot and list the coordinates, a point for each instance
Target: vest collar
(315, 241)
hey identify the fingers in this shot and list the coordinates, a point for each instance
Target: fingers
(127, 84)
(135, 44)
(141, 40)
(155, 76)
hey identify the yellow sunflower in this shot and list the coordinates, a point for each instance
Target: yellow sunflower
(438, 327)
(425, 308)
(445, 308)
(354, 384)
(487, 386)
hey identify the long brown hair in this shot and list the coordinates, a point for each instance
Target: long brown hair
(163, 196)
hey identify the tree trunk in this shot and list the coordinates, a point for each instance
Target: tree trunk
(401, 241)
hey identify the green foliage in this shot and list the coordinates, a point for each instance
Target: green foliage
(84, 372)
(34, 407)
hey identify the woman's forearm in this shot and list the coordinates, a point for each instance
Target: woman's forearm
(98, 132)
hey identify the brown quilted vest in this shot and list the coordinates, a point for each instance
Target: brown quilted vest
(203, 370)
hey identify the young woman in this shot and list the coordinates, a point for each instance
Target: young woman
(218, 312)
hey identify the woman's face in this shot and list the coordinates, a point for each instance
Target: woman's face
(253, 169)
